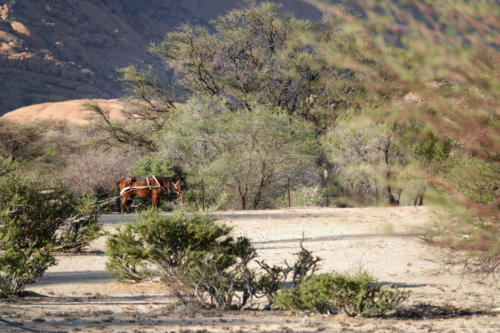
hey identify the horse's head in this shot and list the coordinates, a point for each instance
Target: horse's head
(179, 185)
(175, 183)
(125, 181)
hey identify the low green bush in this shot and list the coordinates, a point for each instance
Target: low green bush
(126, 255)
(359, 295)
(35, 218)
(162, 241)
(192, 253)
(200, 260)
(204, 265)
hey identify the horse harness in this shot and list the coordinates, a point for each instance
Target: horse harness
(149, 186)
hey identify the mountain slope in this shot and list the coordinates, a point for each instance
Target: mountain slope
(59, 50)
(70, 111)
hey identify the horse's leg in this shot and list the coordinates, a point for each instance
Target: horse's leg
(129, 203)
(125, 203)
(156, 198)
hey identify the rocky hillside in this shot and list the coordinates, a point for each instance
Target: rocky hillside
(58, 50)
(71, 112)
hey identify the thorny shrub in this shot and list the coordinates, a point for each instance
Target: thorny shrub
(200, 260)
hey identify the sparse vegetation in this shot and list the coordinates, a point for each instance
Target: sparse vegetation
(203, 264)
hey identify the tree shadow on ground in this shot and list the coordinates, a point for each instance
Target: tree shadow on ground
(338, 238)
(429, 311)
(404, 285)
(43, 300)
(74, 277)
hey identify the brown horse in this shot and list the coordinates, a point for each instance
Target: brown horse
(152, 186)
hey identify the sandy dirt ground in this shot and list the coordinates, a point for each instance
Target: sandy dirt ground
(79, 296)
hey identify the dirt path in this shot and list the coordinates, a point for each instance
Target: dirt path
(381, 241)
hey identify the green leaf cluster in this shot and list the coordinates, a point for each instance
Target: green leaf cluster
(356, 296)
(153, 164)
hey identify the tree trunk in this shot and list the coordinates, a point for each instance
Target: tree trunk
(288, 190)
(419, 200)
(263, 180)
(256, 199)
(203, 195)
(242, 197)
(243, 202)
(392, 200)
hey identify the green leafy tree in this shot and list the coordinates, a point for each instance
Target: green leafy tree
(382, 158)
(260, 55)
(156, 164)
(245, 153)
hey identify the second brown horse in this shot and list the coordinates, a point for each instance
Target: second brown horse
(152, 186)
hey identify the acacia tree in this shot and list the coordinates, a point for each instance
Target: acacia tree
(21, 141)
(260, 55)
(383, 158)
(245, 153)
(240, 59)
